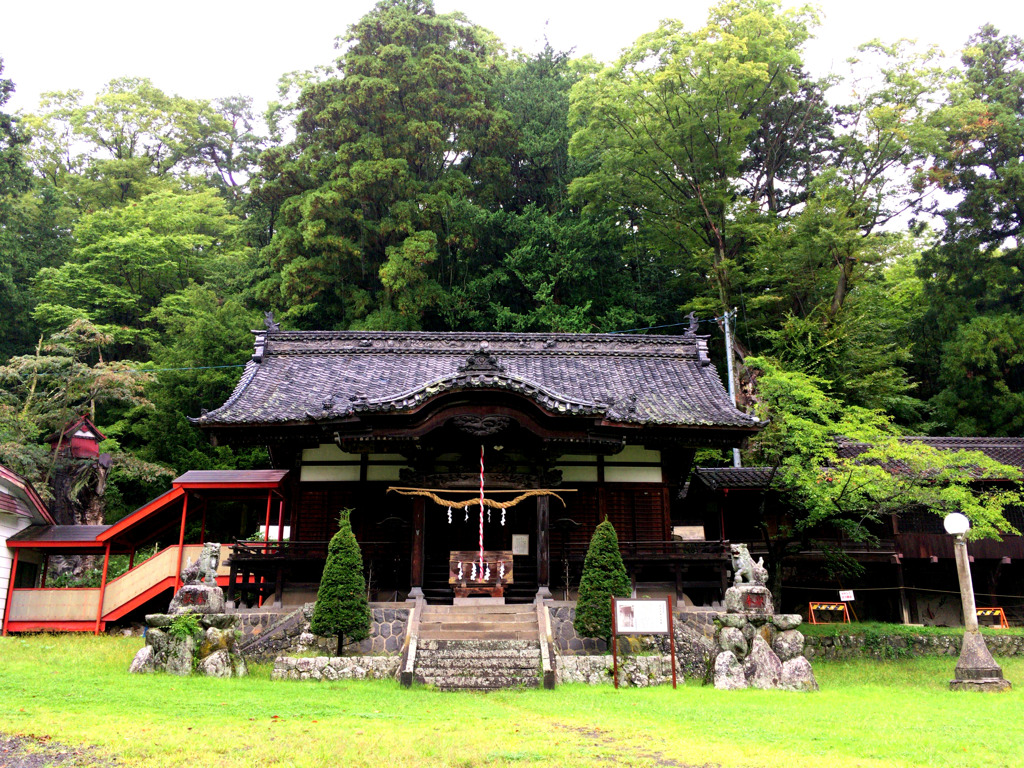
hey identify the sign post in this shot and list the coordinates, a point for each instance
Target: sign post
(641, 617)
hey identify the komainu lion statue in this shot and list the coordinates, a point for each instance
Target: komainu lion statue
(744, 569)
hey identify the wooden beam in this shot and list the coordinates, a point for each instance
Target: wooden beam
(103, 589)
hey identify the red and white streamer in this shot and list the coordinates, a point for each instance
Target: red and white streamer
(481, 511)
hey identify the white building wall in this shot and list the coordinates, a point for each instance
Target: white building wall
(9, 525)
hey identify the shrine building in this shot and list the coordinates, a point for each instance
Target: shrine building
(558, 431)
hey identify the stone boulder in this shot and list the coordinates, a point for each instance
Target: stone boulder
(797, 675)
(144, 661)
(762, 667)
(789, 644)
(729, 674)
(732, 639)
(217, 664)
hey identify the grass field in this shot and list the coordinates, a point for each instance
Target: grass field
(76, 690)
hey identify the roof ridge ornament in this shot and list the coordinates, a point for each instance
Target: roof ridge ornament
(268, 321)
(482, 361)
(692, 328)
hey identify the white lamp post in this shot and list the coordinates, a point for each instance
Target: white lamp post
(976, 670)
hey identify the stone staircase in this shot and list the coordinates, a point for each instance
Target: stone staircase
(478, 647)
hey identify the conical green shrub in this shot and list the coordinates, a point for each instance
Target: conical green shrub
(604, 576)
(341, 608)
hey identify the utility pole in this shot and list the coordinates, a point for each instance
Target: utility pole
(732, 386)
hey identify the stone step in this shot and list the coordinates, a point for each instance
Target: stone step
(477, 682)
(476, 657)
(450, 663)
(472, 644)
(482, 626)
(493, 634)
(472, 609)
(493, 656)
(480, 616)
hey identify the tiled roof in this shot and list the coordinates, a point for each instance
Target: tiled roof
(1005, 450)
(716, 478)
(317, 376)
(22, 499)
(252, 477)
(59, 533)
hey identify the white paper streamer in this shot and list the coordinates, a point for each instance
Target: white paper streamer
(473, 575)
(503, 517)
(460, 571)
(449, 515)
(487, 572)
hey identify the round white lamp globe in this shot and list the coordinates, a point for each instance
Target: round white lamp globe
(956, 524)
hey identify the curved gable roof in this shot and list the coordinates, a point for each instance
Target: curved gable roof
(301, 377)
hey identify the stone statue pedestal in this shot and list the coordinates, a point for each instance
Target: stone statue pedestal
(197, 598)
(753, 599)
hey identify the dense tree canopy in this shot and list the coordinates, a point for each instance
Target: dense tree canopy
(432, 179)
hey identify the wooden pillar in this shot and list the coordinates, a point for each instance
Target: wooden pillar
(181, 544)
(543, 547)
(46, 567)
(10, 591)
(904, 605)
(202, 530)
(280, 521)
(266, 525)
(232, 575)
(131, 559)
(416, 575)
(103, 589)
(266, 542)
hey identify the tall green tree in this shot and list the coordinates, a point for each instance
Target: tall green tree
(381, 153)
(127, 259)
(341, 608)
(604, 577)
(974, 277)
(672, 123)
(828, 495)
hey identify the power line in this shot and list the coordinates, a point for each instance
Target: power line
(670, 325)
(197, 368)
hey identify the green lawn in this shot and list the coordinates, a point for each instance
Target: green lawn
(76, 689)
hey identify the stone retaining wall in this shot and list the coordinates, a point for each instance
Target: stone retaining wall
(283, 633)
(895, 646)
(634, 671)
(568, 642)
(335, 668)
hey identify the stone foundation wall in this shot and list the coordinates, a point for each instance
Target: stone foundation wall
(634, 671)
(335, 668)
(268, 635)
(895, 646)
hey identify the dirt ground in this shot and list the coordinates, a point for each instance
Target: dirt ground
(28, 751)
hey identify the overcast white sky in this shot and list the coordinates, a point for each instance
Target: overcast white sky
(211, 48)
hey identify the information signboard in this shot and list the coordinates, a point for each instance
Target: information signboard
(640, 617)
(632, 616)
(846, 595)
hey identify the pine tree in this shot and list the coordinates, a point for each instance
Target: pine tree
(604, 576)
(341, 606)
